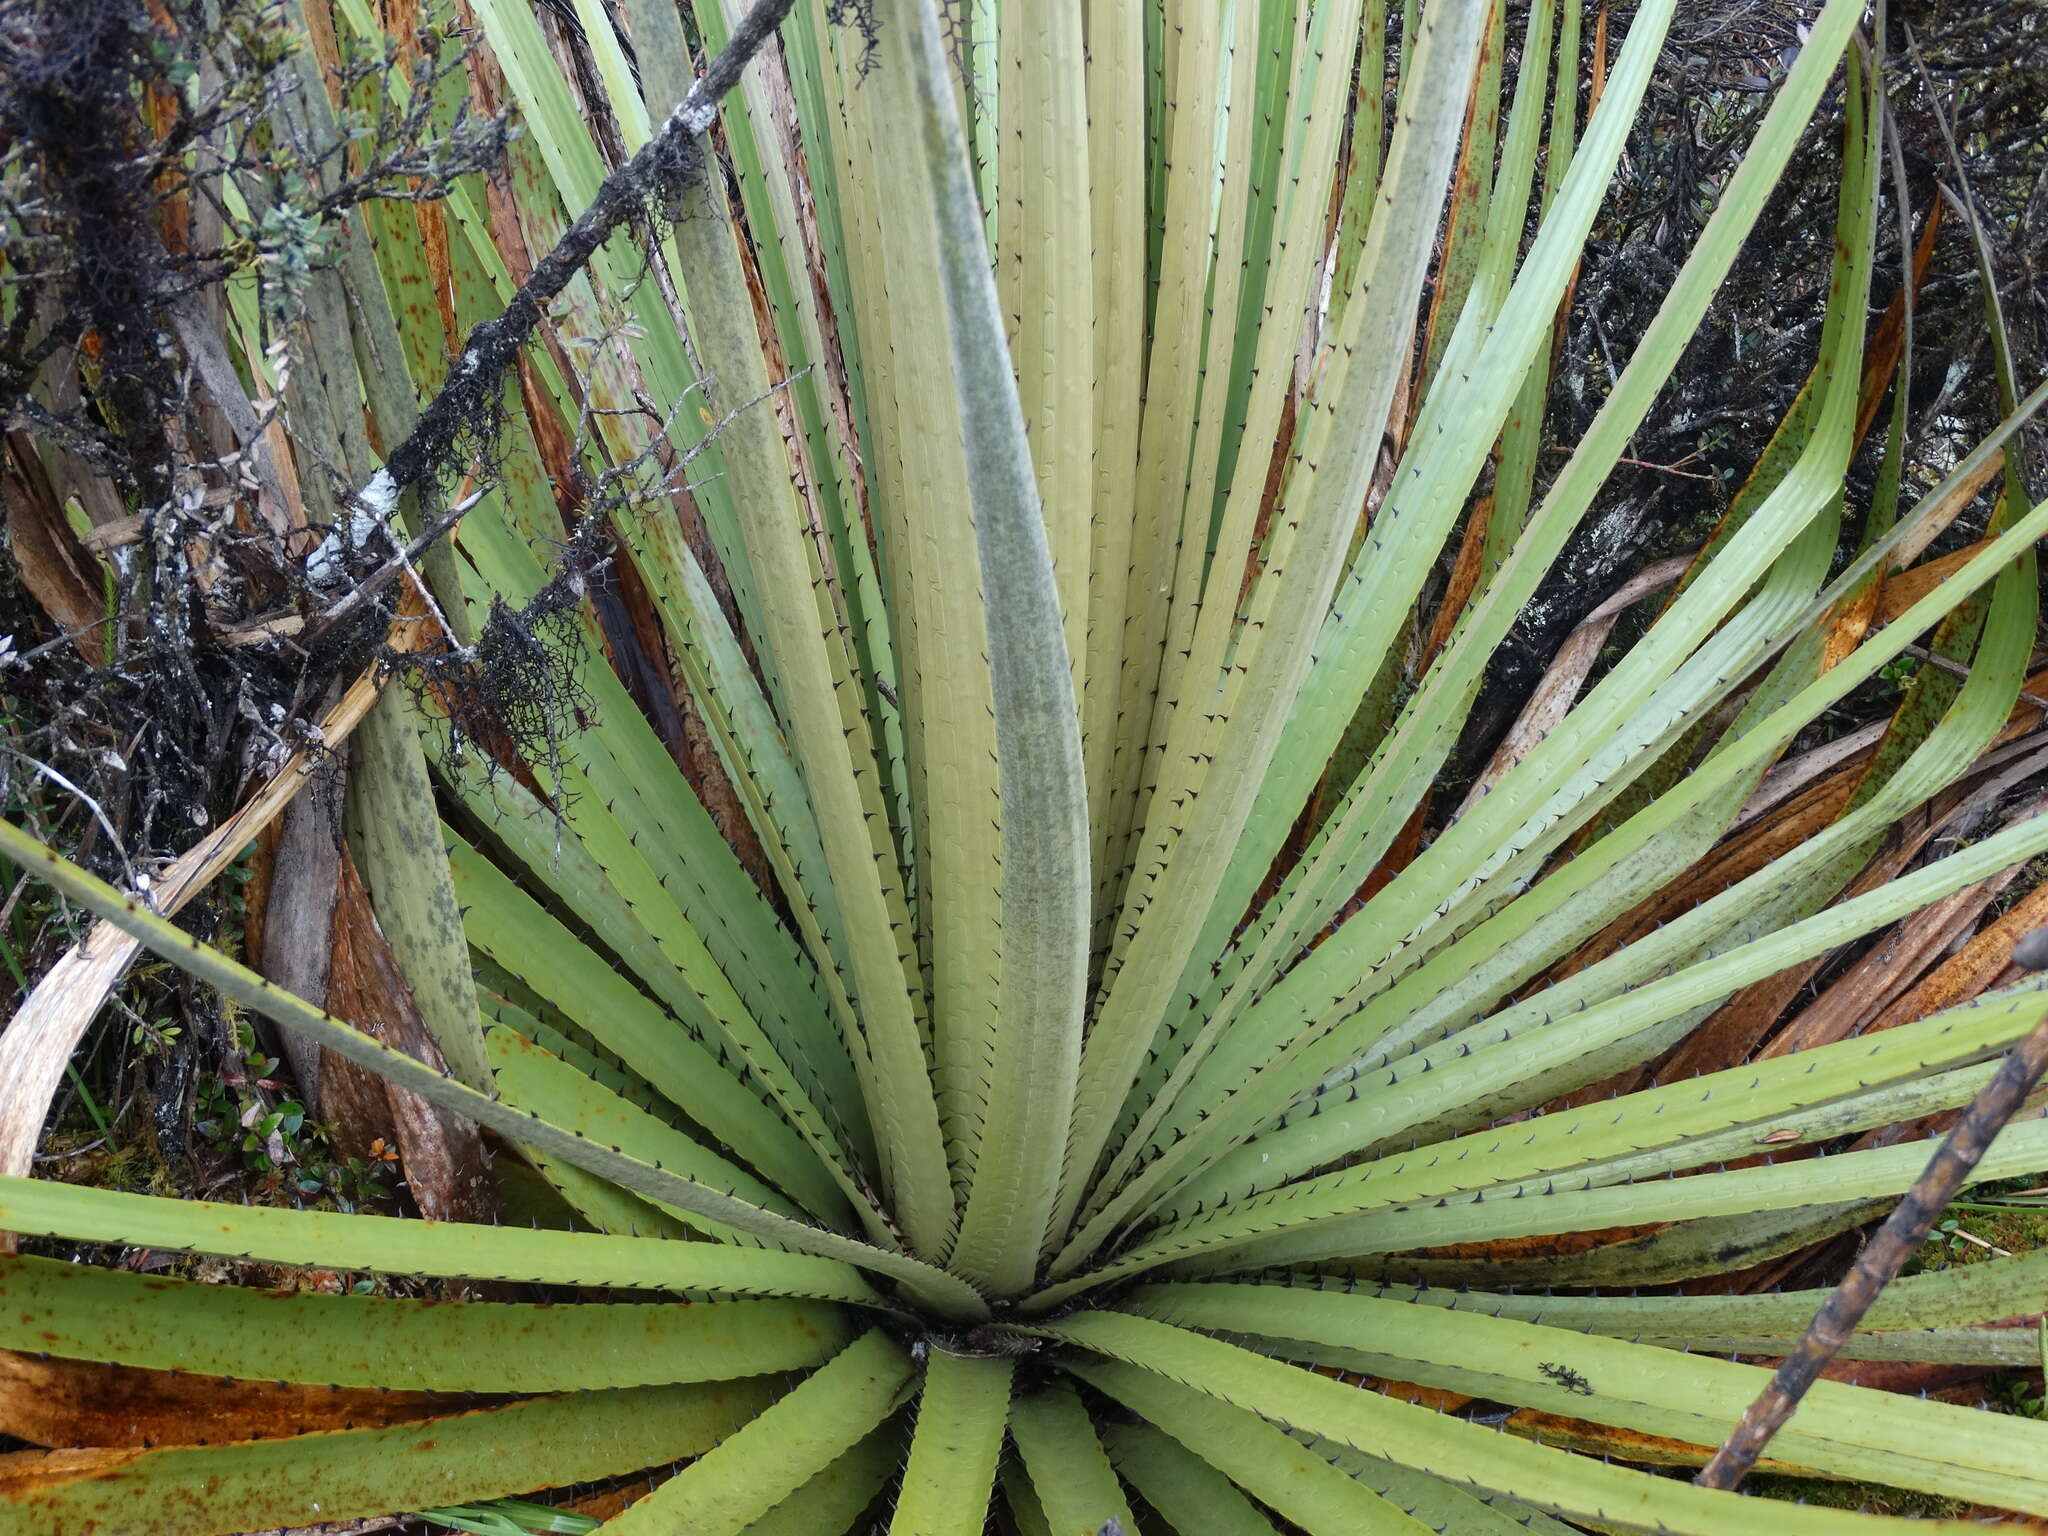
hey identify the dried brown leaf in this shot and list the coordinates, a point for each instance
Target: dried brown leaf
(441, 1153)
(72, 1404)
(55, 567)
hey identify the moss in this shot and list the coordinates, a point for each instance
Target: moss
(1874, 1498)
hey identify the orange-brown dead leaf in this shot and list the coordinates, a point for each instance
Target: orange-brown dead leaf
(1623, 1444)
(1880, 362)
(1733, 860)
(1886, 971)
(1470, 179)
(54, 565)
(1918, 1378)
(1888, 339)
(1554, 1245)
(67, 1404)
(1902, 589)
(26, 1474)
(1738, 1026)
(433, 225)
(441, 1152)
(1933, 521)
(1412, 1393)
(607, 1502)
(1985, 962)
(1464, 577)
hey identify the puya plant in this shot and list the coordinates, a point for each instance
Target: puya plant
(1051, 1135)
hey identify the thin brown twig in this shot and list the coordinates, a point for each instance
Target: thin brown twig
(1668, 469)
(1673, 468)
(1957, 669)
(1896, 1242)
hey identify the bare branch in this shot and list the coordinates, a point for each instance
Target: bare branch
(1896, 1242)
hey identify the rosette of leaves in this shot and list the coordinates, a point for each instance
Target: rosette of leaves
(1085, 1078)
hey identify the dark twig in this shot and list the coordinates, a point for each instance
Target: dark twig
(1957, 669)
(402, 560)
(1896, 1241)
(98, 454)
(665, 164)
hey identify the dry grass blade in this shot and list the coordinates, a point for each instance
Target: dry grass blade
(1568, 672)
